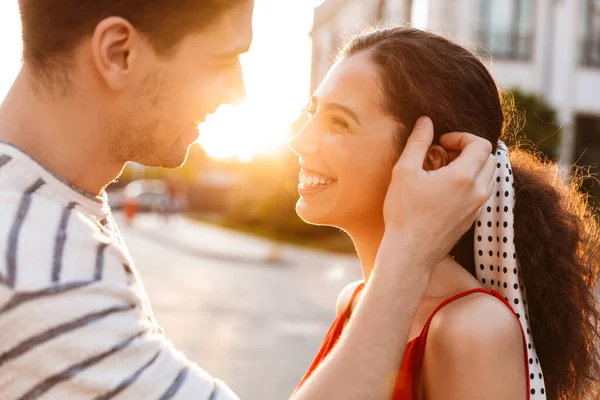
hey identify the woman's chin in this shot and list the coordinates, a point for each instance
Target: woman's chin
(311, 214)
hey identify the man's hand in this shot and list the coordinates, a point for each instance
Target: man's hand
(433, 209)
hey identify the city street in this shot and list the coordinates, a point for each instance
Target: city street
(250, 312)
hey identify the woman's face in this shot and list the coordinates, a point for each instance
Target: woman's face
(347, 149)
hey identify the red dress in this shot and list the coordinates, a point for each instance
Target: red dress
(407, 383)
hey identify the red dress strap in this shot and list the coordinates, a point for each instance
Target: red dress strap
(333, 335)
(408, 382)
(449, 300)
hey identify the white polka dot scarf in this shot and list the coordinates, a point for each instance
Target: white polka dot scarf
(496, 259)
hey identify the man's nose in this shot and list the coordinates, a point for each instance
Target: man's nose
(235, 90)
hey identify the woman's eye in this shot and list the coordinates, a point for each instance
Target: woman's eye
(339, 123)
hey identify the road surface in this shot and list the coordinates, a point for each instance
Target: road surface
(250, 312)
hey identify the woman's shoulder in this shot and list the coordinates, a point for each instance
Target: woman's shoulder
(471, 342)
(345, 296)
(476, 317)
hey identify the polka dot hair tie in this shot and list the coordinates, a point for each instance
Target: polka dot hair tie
(496, 260)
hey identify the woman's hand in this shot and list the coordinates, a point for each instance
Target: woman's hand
(431, 210)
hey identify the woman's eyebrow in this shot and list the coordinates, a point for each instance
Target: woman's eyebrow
(314, 101)
(340, 107)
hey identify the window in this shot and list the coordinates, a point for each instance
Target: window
(587, 150)
(382, 12)
(590, 43)
(506, 28)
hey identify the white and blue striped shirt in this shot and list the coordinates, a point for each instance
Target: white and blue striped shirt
(75, 321)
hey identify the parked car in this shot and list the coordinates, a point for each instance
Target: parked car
(115, 199)
(148, 194)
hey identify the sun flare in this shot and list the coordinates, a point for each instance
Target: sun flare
(277, 77)
(241, 132)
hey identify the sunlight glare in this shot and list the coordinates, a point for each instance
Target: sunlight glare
(277, 77)
(10, 31)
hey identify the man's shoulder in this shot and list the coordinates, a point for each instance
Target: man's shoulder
(45, 240)
(40, 211)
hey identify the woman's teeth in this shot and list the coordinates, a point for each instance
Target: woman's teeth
(312, 180)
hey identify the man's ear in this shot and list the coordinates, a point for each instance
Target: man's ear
(114, 51)
(437, 157)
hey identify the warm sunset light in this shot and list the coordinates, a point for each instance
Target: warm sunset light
(277, 76)
(10, 31)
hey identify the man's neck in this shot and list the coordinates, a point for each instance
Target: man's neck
(62, 133)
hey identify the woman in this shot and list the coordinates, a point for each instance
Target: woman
(477, 334)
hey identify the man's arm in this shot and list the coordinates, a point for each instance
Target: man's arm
(425, 214)
(92, 340)
(88, 334)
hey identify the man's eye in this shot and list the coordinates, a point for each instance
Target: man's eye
(311, 111)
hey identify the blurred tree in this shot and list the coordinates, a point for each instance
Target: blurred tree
(532, 121)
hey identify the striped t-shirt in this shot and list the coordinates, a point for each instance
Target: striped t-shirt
(75, 322)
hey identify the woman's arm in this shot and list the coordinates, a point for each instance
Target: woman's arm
(474, 351)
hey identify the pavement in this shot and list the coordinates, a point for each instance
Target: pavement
(249, 311)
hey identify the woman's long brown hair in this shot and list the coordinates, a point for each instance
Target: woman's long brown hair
(557, 235)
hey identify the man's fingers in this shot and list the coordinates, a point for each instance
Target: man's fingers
(457, 141)
(486, 176)
(418, 144)
(474, 150)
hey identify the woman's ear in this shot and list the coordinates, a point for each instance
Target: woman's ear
(437, 157)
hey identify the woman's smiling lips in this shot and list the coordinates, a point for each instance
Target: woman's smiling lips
(312, 182)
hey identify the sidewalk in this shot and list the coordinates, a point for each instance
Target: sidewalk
(207, 240)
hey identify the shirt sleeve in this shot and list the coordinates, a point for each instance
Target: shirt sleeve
(75, 322)
(92, 340)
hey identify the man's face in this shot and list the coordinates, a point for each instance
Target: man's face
(159, 115)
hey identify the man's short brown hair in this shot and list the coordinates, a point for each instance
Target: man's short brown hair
(53, 28)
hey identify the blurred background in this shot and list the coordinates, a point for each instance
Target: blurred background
(252, 289)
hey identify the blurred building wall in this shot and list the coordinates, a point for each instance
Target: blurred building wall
(549, 47)
(335, 20)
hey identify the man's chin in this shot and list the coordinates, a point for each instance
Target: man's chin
(172, 159)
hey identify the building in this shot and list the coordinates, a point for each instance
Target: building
(547, 47)
(335, 19)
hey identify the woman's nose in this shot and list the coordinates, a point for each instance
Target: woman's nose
(304, 142)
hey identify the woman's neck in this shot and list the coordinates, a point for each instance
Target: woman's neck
(447, 276)
(366, 241)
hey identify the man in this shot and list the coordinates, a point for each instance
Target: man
(108, 81)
